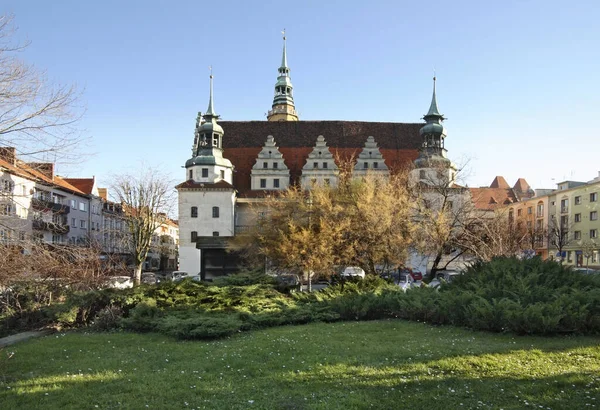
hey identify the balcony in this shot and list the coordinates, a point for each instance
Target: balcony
(57, 228)
(564, 209)
(44, 205)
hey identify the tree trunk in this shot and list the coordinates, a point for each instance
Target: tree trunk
(435, 265)
(137, 274)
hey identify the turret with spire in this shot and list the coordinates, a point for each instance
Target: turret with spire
(432, 153)
(207, 151)
(283, 103)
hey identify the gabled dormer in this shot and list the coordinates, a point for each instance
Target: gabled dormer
(270, 172)
(370, 160)
(320, 167)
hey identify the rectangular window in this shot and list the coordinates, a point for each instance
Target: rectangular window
(577, 200)
(593, 197)
(82, 206)
(315, 165)
(215, 212)
(564, 206)
(577, 217)
(222, 174)
(593, 233)
(263, 183)
(83, 224)
(577, 235)
(194, 237)
(265, 165)
(365, 165)
(275, 165)
(204, 172)
(324, 165)
(519, 212)
(529, 210)
(375, 165)
(276, 183)
(191, 174)
(594, 216)
(215, 233)
(73, 223)
(73, 204)
(194, 212)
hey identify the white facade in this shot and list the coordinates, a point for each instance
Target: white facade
(370, 160)
(270, 172)
(320, 167)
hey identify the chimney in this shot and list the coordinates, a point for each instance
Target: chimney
(103, 192)
(9, 154)
(46, 168)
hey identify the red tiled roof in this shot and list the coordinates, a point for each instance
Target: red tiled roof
(499, 182)
(25, 170)
(243, 140)
(521, 185)
(83, 184)
(491, 198)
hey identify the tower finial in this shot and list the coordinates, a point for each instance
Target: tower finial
(433, 112)
(210, 111)
(284, 57)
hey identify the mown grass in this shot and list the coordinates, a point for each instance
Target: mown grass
(353, 365)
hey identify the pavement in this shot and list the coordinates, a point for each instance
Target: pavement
(21, 337)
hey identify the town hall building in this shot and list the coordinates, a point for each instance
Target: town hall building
(236, 163)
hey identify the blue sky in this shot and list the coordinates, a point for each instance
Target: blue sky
(516, 79)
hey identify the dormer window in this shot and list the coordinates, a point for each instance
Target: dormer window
(274, 165)
(265, 165)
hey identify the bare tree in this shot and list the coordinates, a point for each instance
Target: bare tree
(147, 198)
(447, 219)
(559, 233)
(36, 117)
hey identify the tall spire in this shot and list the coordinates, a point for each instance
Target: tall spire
(284, 57)
(210, 111)
(434, 112)
(283, 103)
(433, 134)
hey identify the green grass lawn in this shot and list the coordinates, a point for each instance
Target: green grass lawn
(382, 365)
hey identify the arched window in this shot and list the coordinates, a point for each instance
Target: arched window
(194, 212)
(215, 211)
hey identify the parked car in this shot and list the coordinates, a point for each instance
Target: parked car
(405, 281)
(444, 276)
(149, 278)
(179, 275)
(353, 272)
(417, 275)
(587, 271)
(119, 282)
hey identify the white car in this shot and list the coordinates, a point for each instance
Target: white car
(180, 275)
(405, 281)
(444, 276)
(353, 272)
(119, 282)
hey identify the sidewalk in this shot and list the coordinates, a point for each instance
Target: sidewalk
(21, 337)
